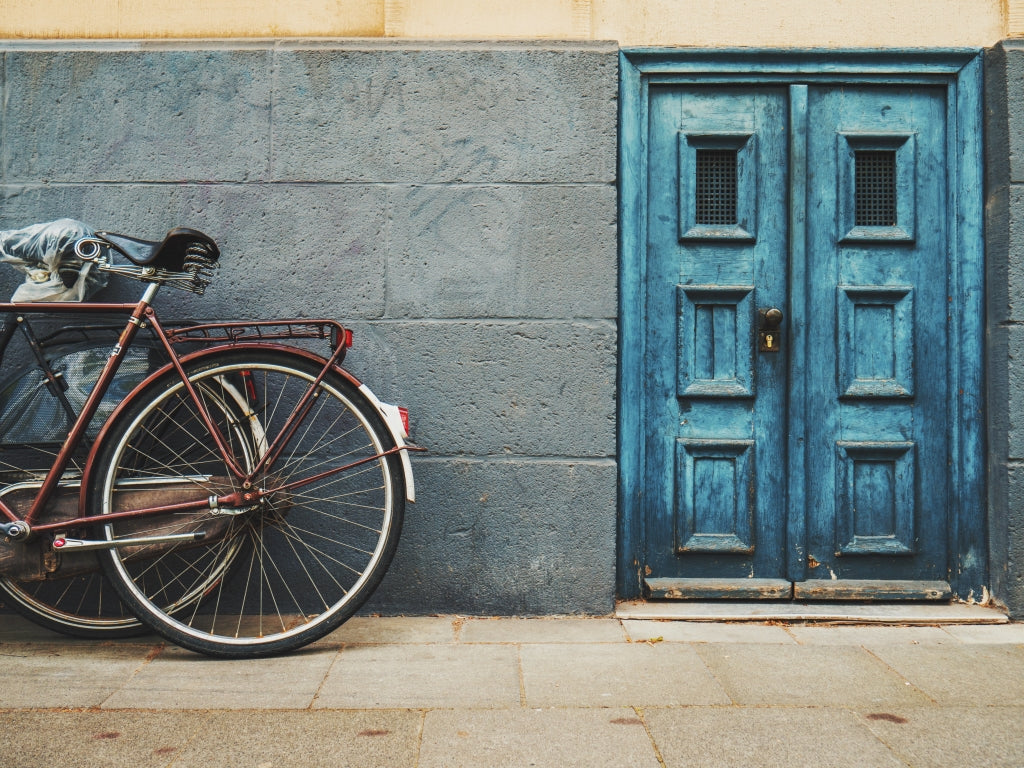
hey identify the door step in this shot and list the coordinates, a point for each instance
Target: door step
(839, 612)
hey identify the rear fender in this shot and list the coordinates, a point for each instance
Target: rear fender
(393, 420)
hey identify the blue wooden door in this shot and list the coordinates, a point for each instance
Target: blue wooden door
(796, 369)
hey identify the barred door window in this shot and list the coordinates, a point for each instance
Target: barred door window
(874, 188)
(716, 187)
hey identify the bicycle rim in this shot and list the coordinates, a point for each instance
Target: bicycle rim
(308, 554)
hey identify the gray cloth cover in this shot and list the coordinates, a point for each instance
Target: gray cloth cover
(46, 254)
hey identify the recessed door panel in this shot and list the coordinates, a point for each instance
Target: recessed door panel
(714, 341)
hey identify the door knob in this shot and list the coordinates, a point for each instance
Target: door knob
(769, 336)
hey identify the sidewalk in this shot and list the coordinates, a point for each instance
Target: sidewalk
(452, 691)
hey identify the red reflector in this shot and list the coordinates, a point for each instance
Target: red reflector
(58, 543)
(404, 413)
(250, 386)
(341, 338)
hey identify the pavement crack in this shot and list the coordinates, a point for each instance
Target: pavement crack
(522, 678)
(654, 744)
(419, 738)
(327, 674)
(896, 672)
(154, 652)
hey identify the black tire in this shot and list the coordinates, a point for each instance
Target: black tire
(293, 567)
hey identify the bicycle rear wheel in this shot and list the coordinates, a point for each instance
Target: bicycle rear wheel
(306, 556)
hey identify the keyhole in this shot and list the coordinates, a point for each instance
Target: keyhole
(769, 341)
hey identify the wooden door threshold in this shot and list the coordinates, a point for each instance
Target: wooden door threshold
(868, 589)
(716, 589)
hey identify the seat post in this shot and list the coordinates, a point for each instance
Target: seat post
(150, 293)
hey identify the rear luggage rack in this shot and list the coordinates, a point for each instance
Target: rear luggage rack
(263, 330)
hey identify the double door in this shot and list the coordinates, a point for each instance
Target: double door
(797, 378)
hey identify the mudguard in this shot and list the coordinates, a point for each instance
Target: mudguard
(389, 413)
(393, 419)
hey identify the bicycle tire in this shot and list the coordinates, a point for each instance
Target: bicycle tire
(307, 558)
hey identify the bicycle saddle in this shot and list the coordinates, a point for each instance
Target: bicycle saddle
(181, 247)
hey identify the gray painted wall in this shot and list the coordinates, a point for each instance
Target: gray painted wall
(1004, 97)
(454, 203)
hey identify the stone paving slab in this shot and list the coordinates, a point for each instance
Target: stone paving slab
(305, 740)
(964, 675)
(544, 738)
(984, 633)
(953, 737)
(422, 677)
(15, 629)
(88, 739)
(704, 632)
(391, 630)
(617, 675)
(178, 679)
(715, 737)
(872, 613)
(811, 676)
(76, 675)
(870, 635)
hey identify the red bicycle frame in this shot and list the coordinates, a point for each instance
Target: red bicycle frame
(141, 315)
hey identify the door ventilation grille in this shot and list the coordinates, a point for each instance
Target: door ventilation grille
(716, 187)
(874, 188)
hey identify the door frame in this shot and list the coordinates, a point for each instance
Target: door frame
(960, 71)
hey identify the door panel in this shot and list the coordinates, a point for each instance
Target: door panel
(844, 483)
(876, 430)
(717, 253)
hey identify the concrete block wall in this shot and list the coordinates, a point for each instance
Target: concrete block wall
(1004, 226)
(454, 203)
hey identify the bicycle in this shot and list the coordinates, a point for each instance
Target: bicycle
(247, 495)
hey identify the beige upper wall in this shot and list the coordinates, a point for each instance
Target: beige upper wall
(780, 23)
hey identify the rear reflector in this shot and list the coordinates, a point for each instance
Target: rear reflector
(341, 338)
(250, 387)
(404, 413)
